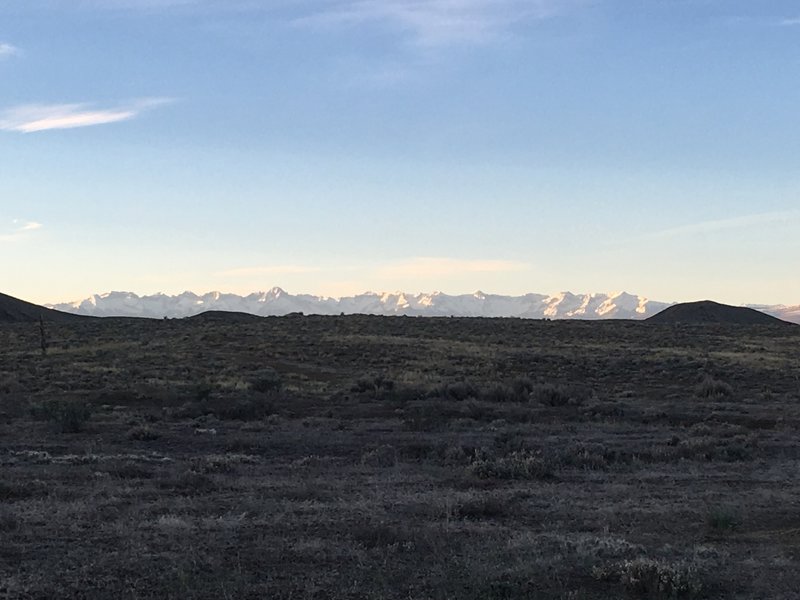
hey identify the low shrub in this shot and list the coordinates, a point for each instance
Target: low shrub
(478, 508)
(429, 415)
(722, 520)
(710, 387)
(69, 416)
(8, 519)
(382, 456)
(143, 433)
(516, 465)
(498, 393)
(266, 381)
(458, 391)
(557, 395)
(654, 579)
(373, 385)
(251, 408)
(383, 535)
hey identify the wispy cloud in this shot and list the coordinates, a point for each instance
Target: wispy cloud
(425, 22)
(436, 22)
(742, 222)
(7, 50)
(30, 118)
(790, 22)
(438, 267)
(19, 230)
(269, 270)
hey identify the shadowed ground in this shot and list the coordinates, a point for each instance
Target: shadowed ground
(367, 457)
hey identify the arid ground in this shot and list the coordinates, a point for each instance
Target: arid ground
(403, 458)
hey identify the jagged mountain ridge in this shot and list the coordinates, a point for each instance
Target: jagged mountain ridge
(277, 302)
(14, 310)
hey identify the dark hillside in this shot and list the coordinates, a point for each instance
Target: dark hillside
(707, 311)
(13, 310)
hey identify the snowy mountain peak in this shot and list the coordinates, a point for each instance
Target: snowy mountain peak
(565, 305)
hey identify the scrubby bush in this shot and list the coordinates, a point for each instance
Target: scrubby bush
(382, 456)
(8, 519)
(383, 535)
(265, 381)
(458, 391)
(69, 416)
(478, 507)
(429, 416)
(713, 388)
(498, 393)
(654, 579)
(143, 433)
(247, 409)
(722, 520)
(558, 395)
(516, 465)
(522, 388)
(373, 385)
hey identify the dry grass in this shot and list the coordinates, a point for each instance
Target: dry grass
(366, 457)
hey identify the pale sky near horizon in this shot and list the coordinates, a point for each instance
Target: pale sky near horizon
(339, 146)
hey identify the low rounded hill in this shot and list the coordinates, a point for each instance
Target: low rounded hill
(13, 310)
(708, 312)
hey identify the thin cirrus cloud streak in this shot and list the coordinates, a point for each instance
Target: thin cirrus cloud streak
(33, 118)
(426, 267)
(7, 50)
(269, 270)
(436, 22)
(416, 267)
(20, 230)
(790, 22)
(706, 227)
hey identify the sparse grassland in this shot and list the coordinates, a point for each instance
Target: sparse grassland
(405, 458)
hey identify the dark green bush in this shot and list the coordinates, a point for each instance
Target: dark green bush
(251, 408)
(266, 381)
(458, 391)
(713, 388)
(69, 416)
(721, 520)
(516, 465)
(143, 433)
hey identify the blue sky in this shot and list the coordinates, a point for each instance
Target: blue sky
(339, 146)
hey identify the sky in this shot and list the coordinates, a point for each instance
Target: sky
(338, 146)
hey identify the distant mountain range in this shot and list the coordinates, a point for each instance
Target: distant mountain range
(278, 302)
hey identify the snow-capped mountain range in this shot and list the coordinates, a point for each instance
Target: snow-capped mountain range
(278, 302)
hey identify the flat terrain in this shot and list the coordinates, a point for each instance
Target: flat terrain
(402, 458)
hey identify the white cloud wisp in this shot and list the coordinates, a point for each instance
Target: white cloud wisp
(7, 50)
(32, 118)
(437, 267)
(706, 227)
(437, 22)
(20, 230)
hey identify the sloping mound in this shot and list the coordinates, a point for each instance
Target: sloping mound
(13, 310)
(222, 316)
(707, 311)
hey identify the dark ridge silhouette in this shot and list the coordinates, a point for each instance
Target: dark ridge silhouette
(707, 311)
(222, 316)
(13, 310)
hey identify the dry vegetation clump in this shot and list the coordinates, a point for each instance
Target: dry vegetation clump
(68, 416)
(516, 465)
(8, 519)
(710, 387)
(143, 433)
(654, 579)
(382, 456)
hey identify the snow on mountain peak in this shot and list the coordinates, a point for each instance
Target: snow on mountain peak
(565, 305)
